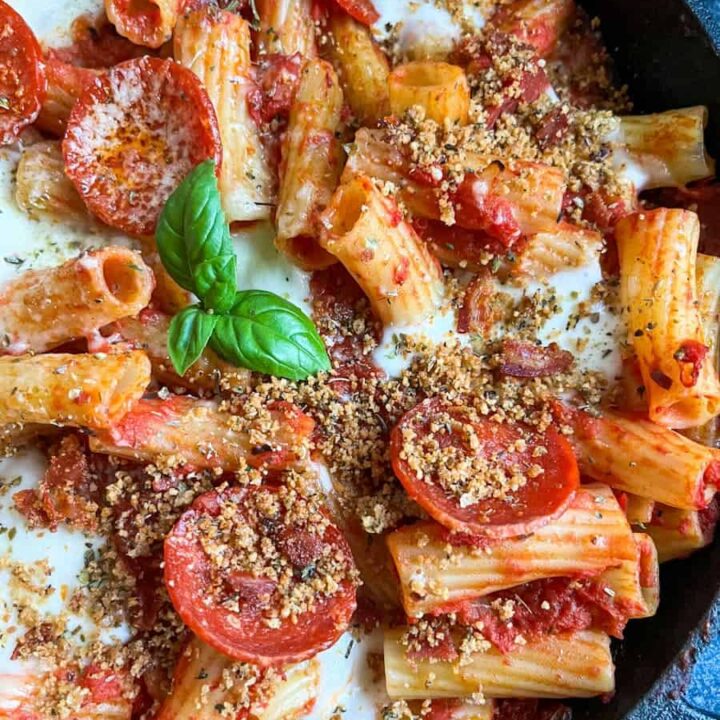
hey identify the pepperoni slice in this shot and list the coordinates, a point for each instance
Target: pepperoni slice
(133, 135)
(482, 477)
(260, 574)
(22, 75)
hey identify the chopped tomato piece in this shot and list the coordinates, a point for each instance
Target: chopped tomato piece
(523, 81)
(481, 477)
(453, 245)
(690, 356)
(22, 75)
(478, 208)
(519, 358)
(544, 607)
(441, 649)
(64, 494)
(133, 135)
(339, 304)
(362, 10)
(552, 128)
(278, 78)
(604, 210)
(260, 574)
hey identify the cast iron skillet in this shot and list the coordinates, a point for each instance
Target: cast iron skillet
(668, 667)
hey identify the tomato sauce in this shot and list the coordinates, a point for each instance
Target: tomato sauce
(338, 301)
(545, 607)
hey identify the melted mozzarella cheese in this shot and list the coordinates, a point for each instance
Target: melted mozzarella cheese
(388, 355)
(52, 25)
(262, 267)
(347, 685)
(421, 24)
(582, 325)
(52, 563)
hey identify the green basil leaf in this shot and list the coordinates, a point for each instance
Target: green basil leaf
(194, 242)
(266, 333)
(188, 335)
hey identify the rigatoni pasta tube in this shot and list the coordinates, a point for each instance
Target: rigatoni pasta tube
(215, 45)
(439, 88)
(707, 269)
(658, 295)
(197, 433)
(198, 686)
(65, 82)
(547, 253)
(532, 192)
(42, 309)
(362, 67)
(635, 455)
(708, 291)
(679, 533)
(669, 146)
(291, 694)
(574, 664)
(366, 232)
(149, 23)
(638, 509)
(205, 679)
(311, 165)
(92, 391)
(592, 535)
(41, 186)
(148, 332)
(286, 27)
(634, 585)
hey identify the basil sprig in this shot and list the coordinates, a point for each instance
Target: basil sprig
(252, 328)
(194, 242)
(269, 334)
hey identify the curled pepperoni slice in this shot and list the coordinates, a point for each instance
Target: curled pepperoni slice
(260, 574)
(22, 75)
(133, 135)
(481, 477)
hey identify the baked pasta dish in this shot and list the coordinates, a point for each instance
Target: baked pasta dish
(358, 358)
